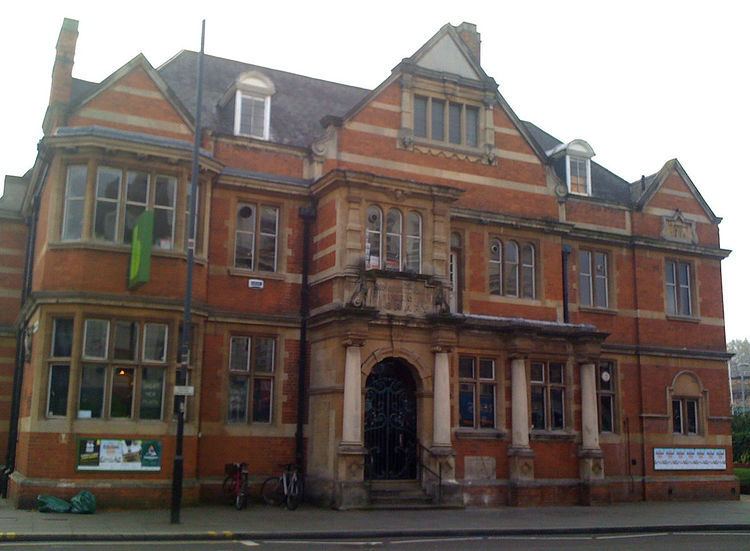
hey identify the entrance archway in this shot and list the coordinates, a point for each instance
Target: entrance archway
(390, 422)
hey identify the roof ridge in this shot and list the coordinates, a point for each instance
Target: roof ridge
(187, 51)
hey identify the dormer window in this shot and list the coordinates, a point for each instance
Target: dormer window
(579, 175)
(577, 155)
(252, 105)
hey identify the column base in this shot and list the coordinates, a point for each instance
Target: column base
(591, 464)
(521, 464)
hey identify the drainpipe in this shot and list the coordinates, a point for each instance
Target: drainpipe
(308, 215)
(640, 374)
(15, 404)
(566, 250)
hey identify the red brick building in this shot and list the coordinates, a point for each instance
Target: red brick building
(485, 316)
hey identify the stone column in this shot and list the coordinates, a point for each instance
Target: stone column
(441, 419)
(352, 421)
(520, 404)
(589, 414)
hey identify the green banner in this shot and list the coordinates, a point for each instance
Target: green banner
(140, 254)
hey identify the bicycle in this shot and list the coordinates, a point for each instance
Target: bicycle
(234, 486)
(285, 489)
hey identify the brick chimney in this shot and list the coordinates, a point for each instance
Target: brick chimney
(470, 36)
(62, 74)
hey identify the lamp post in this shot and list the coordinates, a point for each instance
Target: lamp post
(177, 469)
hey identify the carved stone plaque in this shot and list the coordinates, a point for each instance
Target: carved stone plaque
(678, 228)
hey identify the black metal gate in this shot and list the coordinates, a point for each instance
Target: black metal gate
(390, 423)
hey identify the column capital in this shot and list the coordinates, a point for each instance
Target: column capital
(518, 356)
(353, 340)
(438, 348)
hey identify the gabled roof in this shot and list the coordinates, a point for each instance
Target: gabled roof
(644, 190)
(83, 91)
(297, 107)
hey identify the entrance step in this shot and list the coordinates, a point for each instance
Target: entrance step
(399, 494)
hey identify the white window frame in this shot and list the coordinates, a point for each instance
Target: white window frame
(145, 338)
(85, 338)
(568, 174)
(238, 113)
(69, 198)
(413, 238)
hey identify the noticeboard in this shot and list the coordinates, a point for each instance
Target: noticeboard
(690, 459)
(113, 454)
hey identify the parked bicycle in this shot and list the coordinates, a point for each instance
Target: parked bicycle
(235, 484)
(285, 489)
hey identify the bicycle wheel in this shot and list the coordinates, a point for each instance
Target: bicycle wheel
(227, 489)
(240, 494)
(294, 497)
(272, 491)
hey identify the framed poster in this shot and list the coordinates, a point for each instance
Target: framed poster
(690, 459)
(112, 454)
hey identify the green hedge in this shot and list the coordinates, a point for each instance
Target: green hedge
(741, 437)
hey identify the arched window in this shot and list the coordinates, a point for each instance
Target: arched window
(414, 242)
(528, 283)
(511, 268)
(393, 240)
(373, 237)
(496, 267)
(686, 395)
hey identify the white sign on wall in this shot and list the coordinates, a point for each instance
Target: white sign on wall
(690, 459)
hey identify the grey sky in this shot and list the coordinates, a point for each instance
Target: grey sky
(642, 82)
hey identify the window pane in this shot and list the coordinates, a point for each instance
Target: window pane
(372, 246)
(132, 212)
(677, 416)
(487, 406)
(264, 348)
(152, 392)
(137, 188)
(584, 278)
(105, 220)
(57, 403)
(269, 220)
(556, 396)
(495, 267)
(245, 217)
(466, 405)
(62, 338)
(486, 369)
(606, 413)
(267, 253)
(454, 122)
(670, 272)
(237, 399)
(155, 342)
(243, 250)
(537, 372)
(262, 400)
(683, 273)
(605, 376)
(253, 114)
(600, 280)
(578, 175)
(76, 182)
(537, 408)
(692, 416)
(466, 368)
(413, 254)
(527, 271)
(108, 183)
(420, 117)
(91, 400)
(511, 269)
(75, 191)
(163, 228)
(239, 354)
(684, 301)
(126, 340)
(121, 400)
(392, 252)
(556, 371)
(472, 126)
(96, 335)
(438, 120)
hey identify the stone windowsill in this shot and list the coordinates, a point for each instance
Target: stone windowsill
(488, 434)
(595, 310)
(687, 319)
(552, 435)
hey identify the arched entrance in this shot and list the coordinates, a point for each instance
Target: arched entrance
(390, 422)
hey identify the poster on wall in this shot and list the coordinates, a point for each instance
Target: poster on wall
(110, 454)
(690, 459)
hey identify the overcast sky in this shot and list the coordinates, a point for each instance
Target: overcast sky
(642, 82)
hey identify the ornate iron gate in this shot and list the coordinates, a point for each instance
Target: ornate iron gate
(390, 423)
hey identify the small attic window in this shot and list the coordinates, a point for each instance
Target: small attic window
(578, 155)
(252, 105)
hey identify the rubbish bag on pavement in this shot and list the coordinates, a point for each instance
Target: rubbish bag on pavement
(83, 502)
(52, 504)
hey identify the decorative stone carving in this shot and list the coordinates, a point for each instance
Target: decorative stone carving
(441, 300)
(406, 138)
(358, 298)
(490, 157)
(678, 228)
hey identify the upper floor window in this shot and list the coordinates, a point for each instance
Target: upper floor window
(252, 105)
(402, 244)
(512, 270)
(579, 175)
(120, 197)
(446, 121)
(678, 288)
(477, 392)
(593, 287)
(251, 379)
(256, 233)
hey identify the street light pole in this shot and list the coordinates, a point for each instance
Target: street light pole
(177, 469)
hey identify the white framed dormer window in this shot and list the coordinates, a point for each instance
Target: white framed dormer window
(252, 93)
(578, 155)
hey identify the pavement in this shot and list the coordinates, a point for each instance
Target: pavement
(273, 523)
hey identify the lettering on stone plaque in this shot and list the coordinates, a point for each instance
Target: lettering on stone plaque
(678, 228)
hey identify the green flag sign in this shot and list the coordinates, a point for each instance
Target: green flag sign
(140, 254)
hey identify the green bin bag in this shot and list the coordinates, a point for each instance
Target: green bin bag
(52, 504)
(83, 502)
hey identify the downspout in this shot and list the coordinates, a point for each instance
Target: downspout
(566, 250)
(640, 375)
(308, 215)
(15, 404)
